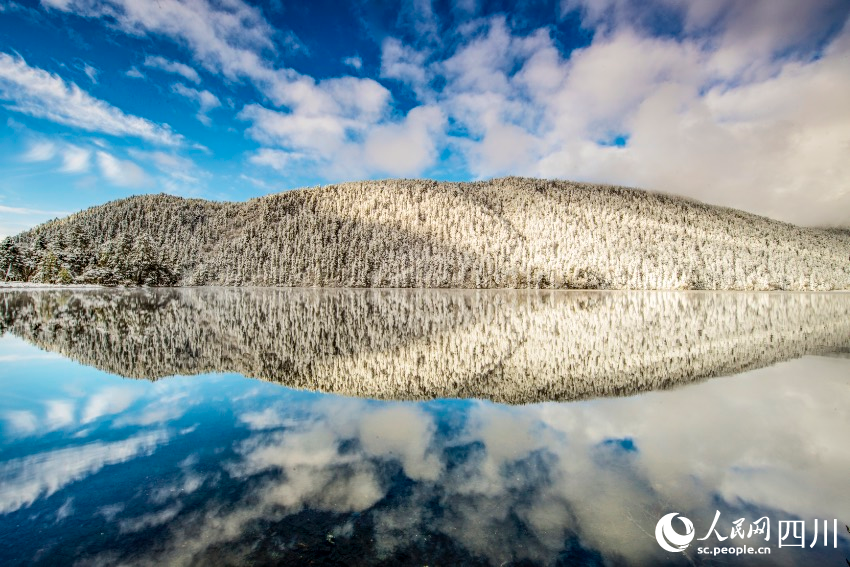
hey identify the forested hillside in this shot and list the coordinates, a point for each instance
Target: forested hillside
(510, 232)
(507, 346)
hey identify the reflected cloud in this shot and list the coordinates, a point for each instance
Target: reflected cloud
(109, 511)
(29, 357)
(269, 418)
(26, 479)
(20, 422)
(109, 401)
(403, 433)
(155, 413)
(150, 520)
(277, 475)
(534, 482)
(59, 413)
(66, 510)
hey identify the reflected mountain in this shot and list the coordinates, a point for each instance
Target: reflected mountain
(508, 346)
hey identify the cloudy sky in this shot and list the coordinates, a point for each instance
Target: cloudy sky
(743, 103)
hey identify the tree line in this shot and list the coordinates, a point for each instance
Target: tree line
(504, 233)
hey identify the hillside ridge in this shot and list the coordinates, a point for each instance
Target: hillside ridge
(504, 233)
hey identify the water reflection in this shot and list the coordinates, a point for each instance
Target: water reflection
(224, 470)
(512, 347)
(41, 475)
(218, 469)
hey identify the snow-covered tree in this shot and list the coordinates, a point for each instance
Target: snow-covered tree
(511, 232)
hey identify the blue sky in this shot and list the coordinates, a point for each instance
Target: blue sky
(740, 103)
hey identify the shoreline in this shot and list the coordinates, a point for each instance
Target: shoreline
(26, 286)
(30, 285)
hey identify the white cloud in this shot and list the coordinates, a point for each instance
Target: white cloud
(320, 133)
(408, 147)
(123, 173)
(234, 40)
(503, 149)
(348, 102)
(66, 510)
(205, 100)
(465, 7)
(110, 511)
(742, 34)
(420, 16)
(75, 159)
(399, 148)
(756, 132)
(91, 72)
(404, 63)
(38, 93)
(223, 37)
(154, 413)
(182, 175)
(166, 162)
(483, 61)
(342, 129)
(40, 151)
(275, 159)
(256, 182)
(175, 67)
(771, 146)
(134, 73)
(354, 62)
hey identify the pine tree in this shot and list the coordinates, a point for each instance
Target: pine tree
(10, 260)
(506, 232)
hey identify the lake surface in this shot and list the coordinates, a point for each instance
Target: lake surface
(363, 427)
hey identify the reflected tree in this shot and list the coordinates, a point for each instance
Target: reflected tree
(514, 347)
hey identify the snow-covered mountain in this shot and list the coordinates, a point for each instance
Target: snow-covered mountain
(505, 233)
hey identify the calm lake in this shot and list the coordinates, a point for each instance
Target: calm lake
(380, 427)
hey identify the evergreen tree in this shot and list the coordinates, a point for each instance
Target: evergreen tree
(10, 260)
(412, 233)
